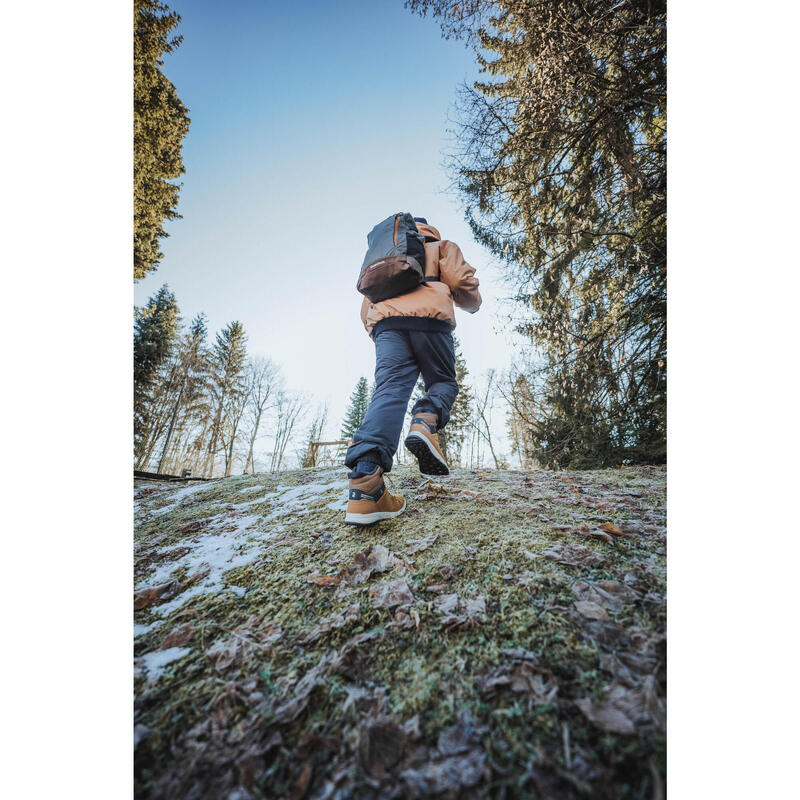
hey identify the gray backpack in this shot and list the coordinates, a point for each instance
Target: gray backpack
(395, 259)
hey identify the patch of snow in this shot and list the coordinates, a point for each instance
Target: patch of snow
(138, 630)
(155, 663)
(340, 504)
(294, 499)
(229, 541)
(255, 488)
(177, 497)
(217, 552)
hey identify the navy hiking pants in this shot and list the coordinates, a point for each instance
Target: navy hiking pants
(400, 357)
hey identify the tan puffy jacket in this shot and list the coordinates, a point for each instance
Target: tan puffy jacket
(457, 284)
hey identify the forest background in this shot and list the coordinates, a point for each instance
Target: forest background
(560, 174)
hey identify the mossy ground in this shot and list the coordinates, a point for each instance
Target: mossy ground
(248, 640)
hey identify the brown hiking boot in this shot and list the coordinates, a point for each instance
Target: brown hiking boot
(369, 501)
(423, 442)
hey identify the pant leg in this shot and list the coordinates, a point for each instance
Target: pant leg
(396, 373)
(435, 354)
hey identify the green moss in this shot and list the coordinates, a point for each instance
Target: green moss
(483, 548)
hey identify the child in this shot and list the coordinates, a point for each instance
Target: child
(412, 334)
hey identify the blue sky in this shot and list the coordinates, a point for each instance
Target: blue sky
(310, 123)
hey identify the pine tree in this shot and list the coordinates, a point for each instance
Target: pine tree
(228, 360)
(561, 165)
(357, 410)
(160, 122)
(155, 333)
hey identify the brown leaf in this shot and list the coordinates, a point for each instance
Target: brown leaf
(162, 592)
(600, 535)
(573, 555)
(368, 562)
(607, 718)
(626, 707)
(611, 528)
(456, 612)
(405, 617)
(178, 637)
(323, 580)
(190, 527)
(591, 610)
(391, 594)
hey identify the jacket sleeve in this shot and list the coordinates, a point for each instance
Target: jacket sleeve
(460, 277)
(365, 304)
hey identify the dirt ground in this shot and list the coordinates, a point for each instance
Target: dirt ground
(504, 637)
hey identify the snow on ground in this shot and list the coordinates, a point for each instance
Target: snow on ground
(155, 663)
(227, 541)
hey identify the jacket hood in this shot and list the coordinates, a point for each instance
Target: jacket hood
(428, 231)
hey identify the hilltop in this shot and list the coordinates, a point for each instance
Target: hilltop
(505, 637)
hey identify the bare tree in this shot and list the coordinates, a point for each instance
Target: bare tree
(288, 408)
(237, 400)
(518, 392)
(483, 408)
(263, 382)
(310, 455)
(190, 354)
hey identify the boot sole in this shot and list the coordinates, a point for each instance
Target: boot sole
(375, 516)
(430, 462)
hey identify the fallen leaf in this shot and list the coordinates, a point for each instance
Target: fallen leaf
(591, 610)
(336, 620)
(290, 709)
(391, 594)
(611, 528)
(573, 555)
(607, 718)
(420, 544)
(600, 535)
(405, 617)
(381, 743)
(323, 580)
(456, 612)
(609, 594)
(367, 563)
(190, 527)
(448, 775)
(178, 637)
(522, 676)
(625, 707)
(162, 592)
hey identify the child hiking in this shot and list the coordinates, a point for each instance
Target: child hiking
(410, 278)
